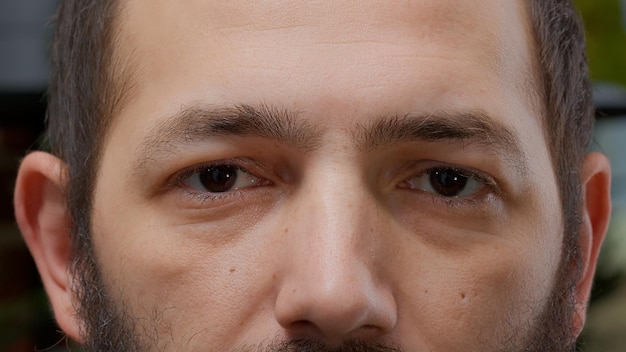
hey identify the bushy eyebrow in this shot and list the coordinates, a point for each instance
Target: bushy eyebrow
(471, 128)
(201, 122)
(272, 122)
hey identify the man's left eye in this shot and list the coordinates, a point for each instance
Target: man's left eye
(220, 178)
(447, 182)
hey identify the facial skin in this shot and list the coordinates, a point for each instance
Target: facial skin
(334, 118)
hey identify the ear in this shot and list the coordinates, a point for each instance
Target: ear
(596, 186)
(42, 216)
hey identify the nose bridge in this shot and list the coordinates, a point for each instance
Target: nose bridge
(331, 284)
(336, 217)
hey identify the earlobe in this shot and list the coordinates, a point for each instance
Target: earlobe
(596, 187)
(41, 214)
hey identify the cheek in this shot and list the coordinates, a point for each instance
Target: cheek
(478, 298)
(176, 286)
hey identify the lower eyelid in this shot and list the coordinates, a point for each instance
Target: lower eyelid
(188, 198)
(484, 188)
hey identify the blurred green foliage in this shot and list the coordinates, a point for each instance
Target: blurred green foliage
(605, 24)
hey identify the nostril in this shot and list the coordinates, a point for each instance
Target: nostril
(304, 327)
(301, 323)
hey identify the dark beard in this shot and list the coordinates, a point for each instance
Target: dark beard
(111, 327)
(309, 345)
(105, 327)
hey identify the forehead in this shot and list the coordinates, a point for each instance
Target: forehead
(303, 51)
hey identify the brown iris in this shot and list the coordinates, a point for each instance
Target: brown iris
(447, 182)
(218, 178)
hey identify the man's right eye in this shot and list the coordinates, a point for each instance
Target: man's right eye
(220, 178)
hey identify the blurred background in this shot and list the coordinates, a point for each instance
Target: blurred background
(25, 32)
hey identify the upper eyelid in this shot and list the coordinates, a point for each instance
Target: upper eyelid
(465, 172)
(176, 181)
(242, 164)
(440, 165)
(481, 176)
(253, 167)
(249, 165)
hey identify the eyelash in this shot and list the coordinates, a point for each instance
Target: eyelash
(240, 163)
(465, 173)
(244, 165)
(459, 202)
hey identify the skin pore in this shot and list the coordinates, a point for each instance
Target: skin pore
(336, 123)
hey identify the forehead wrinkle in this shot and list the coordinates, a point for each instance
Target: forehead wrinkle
(197, 123)
(469, 128)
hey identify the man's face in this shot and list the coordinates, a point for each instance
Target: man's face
(372, 171)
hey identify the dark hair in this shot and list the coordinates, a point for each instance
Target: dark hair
(86, 88)
(88, 85)
(568, 107)
(565, 90)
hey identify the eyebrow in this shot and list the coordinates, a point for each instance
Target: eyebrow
(468, 127)
(200, 122)
(273, 122)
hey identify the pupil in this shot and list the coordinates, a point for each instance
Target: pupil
(448, 183)
(218, 178)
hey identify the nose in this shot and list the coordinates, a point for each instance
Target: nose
(331, 288)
